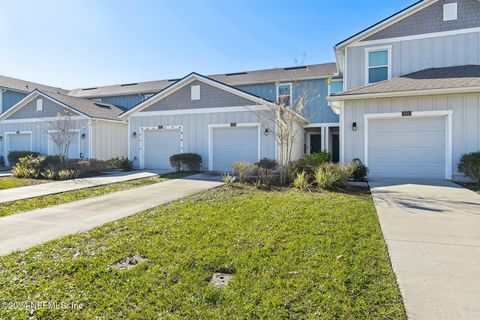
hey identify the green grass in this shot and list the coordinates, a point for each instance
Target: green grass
(13, 207)
(293, 256)
(9, 182)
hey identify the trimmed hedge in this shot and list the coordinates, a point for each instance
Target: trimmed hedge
(14, 156)
(190, 161)
(470, 166)
(310, 163)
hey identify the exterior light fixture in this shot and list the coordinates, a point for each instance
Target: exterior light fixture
(354, 126)
(1, 138)
(82, 136)
(134, 135)
(266, 131)
(81, 155)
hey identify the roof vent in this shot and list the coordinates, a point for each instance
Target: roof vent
(295, 68)
(102, 105)
(128, 84)
(86, 89)
(235, 74)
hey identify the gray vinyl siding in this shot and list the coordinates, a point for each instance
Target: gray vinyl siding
(109, 139)
(50, 109)
(40, 135)
(210, 97)
(415, 55)
(126, 101)
(466, 119)
(430, 20)
(315, 91)
(195, 131)
(10, 98)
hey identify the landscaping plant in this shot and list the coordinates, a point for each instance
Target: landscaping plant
(470, 165)
(188, 161)
(360, 171)
(310, 163)
(242, 169)
(266, 169)
(301, 181)
(331, 175)
(15, 156)
(228, 179)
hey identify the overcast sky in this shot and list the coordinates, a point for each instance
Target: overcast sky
(73, 43)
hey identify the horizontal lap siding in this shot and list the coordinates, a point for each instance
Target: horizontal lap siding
(466, 120)
(195, 131)
(39, 135)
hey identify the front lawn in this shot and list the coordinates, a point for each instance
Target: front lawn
(292, 255)
(9, 182)
(13, 207)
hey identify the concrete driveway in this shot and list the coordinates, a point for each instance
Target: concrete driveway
(432, 230)
(24, 230)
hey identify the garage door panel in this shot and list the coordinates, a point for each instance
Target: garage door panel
(234, 144)
(159, 146)
(19, 142)
(407, 147)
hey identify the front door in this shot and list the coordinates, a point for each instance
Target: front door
(335, 148)
(315, 143)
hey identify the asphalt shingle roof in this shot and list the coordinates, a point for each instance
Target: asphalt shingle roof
(232, 79)
(428, 79)
(88, 107)
(27, 86)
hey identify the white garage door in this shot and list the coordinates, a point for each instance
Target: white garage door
(233, 144)
(407, 147)
(159, 145)
(19, 142)
(73, 148)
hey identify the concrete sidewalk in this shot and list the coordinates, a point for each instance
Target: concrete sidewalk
(432, 230)
(25, 230)
(43, 189)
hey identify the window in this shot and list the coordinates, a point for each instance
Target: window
(39, 105)
(378, 64)
(284, 94)
(450, 11)
(195, 92)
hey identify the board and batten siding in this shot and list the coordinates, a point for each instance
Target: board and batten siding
(11, 98)
(414, 55)
(109, 139)
(126, 101)
(39, 132)
(50, 110)
(465, 128)
(196, 131)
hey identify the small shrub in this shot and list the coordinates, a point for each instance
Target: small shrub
(330, 175)
(15, 156)
(2, 161)
(122, 163)
(189, 161)
(242, 169)
(470, 166)
(67, 174)
(301, 181)
(360, 171)
(30, 167)
(310, 163)
(228, 179)
(266, 169)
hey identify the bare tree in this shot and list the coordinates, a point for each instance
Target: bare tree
(61, 131)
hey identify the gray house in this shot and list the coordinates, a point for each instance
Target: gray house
(97, 131)
(411, 100)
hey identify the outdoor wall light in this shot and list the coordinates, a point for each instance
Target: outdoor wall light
(82, 136)
(266, 131)
(1, 138)
(134, 135)
(81, 155)
(354, 126)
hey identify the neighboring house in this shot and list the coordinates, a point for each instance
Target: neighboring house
(13, 90)
(201, 115)
(313, 81)
(99, 133)
(411, 100)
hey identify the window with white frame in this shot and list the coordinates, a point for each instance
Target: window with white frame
(195, 91)
(378, 65)
(284, 94)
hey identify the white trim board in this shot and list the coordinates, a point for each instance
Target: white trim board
(228, 125)
(29, 120)
(448, 114)
(6, 142)
(200, 111)
(141, 138)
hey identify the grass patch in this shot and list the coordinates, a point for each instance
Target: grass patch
(293, 255)
(14, 207)
(9, 182)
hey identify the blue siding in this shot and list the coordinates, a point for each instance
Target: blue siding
(336, 86)
(127, 101)
(10, 98)
(316, 110)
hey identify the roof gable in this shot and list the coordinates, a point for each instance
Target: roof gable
(242, 96)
